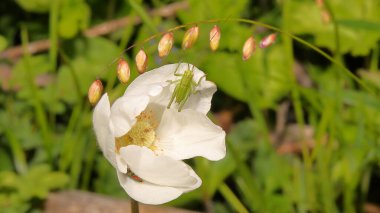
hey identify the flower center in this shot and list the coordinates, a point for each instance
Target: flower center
(143, 133)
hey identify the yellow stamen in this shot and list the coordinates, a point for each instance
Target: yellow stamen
(143, 133)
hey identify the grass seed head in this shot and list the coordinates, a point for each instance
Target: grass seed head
(214, 38)
(165, 44)
(95, 92)
(249, 47)
(123, 71)
(141, 61)
(190, 37)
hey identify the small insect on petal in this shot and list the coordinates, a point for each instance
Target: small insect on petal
(123, 71)
(134, 177)
(268, 40)
(214, 38)
(165, 44)
(95, 92)
(141, 61)
(190, 37)
(249, 47)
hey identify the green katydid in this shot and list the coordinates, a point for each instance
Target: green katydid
(184, 88)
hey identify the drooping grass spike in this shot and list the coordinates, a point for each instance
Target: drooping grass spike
(184, 88)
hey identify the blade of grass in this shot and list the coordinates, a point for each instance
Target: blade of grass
(246, 182)
(295, 96)
(38, 107)
(231, 198)
(77, 160)
(53, 34)
(67, 144)
(89, 164)
(19, 158)
(143, 14)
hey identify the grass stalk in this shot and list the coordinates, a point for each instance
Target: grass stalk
(229, 195)
(36, 102)
(53, 33)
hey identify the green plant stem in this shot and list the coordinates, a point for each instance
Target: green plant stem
(68, 144)
(134, 206)
(336, 31)
(89, 164)
(143, 14)
(18, 154)
(229, 195)
(53, 33)
(246, 182)
(77, 159)
(375, 59)
(295, 94)
(74, 75)
(38, 107)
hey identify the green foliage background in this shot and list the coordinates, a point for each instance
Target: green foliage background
(46, 137)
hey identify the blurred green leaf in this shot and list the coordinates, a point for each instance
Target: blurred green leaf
(39, 181)
(213, 9)
(74, 16)
(22, 188)
(137, 6)
(91, 60)
(3, 43)
(6, 161)
(360, 25)
(230, 81)
(311, 23)
(37, 6)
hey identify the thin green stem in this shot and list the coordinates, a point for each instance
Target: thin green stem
(375, 59)
(17, 151)
(68, 144)
(143, 14)
(76, 165)
(38, 107)
(89, 164)
(247, 182)
(134, 206)
(53, 33)
(229, 195)
(288, 45)
(336, 31)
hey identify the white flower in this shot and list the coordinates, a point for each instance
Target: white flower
(146, 142)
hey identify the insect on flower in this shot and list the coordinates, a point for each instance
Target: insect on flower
(133, 176)
(184, 88)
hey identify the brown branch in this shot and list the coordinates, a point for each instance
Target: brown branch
(98, 30)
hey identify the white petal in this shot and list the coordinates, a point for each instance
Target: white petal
(156, 77)
(201, 100)
(159, 170)
(121, 164)
(124, 112)
(188, 133)
(148, 193)
(103, 129)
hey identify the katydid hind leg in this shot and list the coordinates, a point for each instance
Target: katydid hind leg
(172, 98)
(187, 94)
